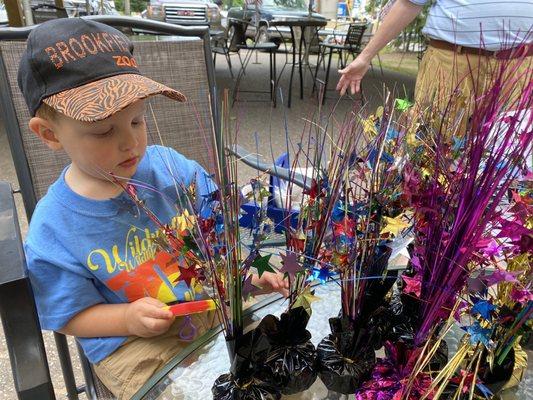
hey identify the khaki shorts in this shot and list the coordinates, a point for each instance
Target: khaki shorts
(447, 77)
(125, 370)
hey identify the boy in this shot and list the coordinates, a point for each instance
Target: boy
(96, 270)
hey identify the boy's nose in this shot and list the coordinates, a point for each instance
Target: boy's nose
(129, 140)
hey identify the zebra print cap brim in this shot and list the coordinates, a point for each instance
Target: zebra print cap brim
(101, 99)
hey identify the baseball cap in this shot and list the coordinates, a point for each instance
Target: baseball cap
(84, 70)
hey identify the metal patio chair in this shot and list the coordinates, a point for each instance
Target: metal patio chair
(351, 45)
(184, 63)
(257, 45)
(45, 12)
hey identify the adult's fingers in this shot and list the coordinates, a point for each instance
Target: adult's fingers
(342, 85)
(354, 87)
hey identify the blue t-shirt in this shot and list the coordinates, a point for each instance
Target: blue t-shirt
(82, 252)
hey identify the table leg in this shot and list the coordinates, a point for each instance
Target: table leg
(293, 64)
(275, 80)
(327, 77)
(302, 40)
(318, 61)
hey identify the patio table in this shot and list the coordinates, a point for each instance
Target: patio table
(190, 375)
(300, 49)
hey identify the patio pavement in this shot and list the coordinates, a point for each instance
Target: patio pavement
(252, 117)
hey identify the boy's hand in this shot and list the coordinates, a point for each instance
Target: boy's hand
(272, 282)
(146, 317)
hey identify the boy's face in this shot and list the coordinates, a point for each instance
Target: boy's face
(114, 145)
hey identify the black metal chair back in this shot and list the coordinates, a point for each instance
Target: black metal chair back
(354, 36)
(45, 12)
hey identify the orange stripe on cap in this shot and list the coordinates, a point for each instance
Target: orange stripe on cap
(98, 100)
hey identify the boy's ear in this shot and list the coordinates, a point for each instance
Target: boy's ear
(46, 132)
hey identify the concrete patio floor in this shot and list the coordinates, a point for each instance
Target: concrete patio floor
(252, 117)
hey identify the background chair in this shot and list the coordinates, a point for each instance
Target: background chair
(239, 42)
(344, 46)
(220, 45)
(185, 65)
(45, 12)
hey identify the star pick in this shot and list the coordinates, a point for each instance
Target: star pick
(394, 225)
(521, 296)
(187, 275)
(305, 299)
(402, 104)
(484, 309)
(501, 275)
(479, 334)
(248, 287)
(262, 264)
(184, 221)
(491, 248)
(399, 247)
(412, 285)
(290, 264)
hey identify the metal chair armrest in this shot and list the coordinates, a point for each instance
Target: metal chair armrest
(271, 169)
(17, 309)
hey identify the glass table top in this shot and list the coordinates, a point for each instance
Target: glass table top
(190, 375)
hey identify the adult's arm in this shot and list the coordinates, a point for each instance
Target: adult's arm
(400, 15)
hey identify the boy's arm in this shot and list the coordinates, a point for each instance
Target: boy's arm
(144, 317)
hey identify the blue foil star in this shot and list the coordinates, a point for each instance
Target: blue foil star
(479, 334)
(483, 308)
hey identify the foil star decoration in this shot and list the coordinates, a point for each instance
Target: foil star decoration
(187, 275)
(394, 225)
(262, 264)
(412, 285)
(484, 308)
(248, 287)
(291, 266)
(402, 104)
(322, 274)
(305, 299)
(521, 296)
(478, 334)
(185, 221)
(399, 247)
(501, 275)
(458, 143)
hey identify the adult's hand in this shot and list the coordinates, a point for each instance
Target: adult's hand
(352, 75)
(400, 15)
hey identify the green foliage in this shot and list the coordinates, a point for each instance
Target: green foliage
(296, 4)
(373, 6)
(412, 33)
(232, 3)
(299, 4)
(135, 5)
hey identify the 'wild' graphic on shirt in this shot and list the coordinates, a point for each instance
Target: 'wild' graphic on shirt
(142, 269)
